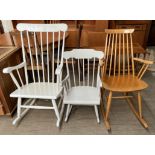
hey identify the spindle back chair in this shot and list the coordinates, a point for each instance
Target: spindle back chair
(40, 87)
(82, 83)
(119, 71)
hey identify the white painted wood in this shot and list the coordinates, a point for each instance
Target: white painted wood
(21, 81)
(41, 87)
(36, 107)
(42, 27)
(83, 54)
(93, 71)
(42, 56)
(24, 58)
(10, 69)
(36, 54)
(22, 114)
(83, 92)
(82, 95)
(97, 114)
(30, 51)
(48, 72)
(42, 90)
(69, 107)
(53, 60)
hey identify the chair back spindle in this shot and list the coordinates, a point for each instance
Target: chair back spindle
(84, 69)
(45, 50)
(119, 52)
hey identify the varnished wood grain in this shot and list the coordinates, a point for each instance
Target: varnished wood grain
(122, 80)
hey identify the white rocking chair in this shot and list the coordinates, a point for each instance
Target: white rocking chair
(82, 87)
(45, 82)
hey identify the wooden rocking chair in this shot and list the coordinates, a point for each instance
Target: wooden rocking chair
(118, 74)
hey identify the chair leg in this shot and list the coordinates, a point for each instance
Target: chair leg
(139, 104)
(108, 105)
(20, 114)
(107, 124)
(103, 111)
(69, 108)
(18, 111)
(56, 113)
(139, 113)
(97, 114)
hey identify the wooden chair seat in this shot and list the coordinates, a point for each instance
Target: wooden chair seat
(126, 83)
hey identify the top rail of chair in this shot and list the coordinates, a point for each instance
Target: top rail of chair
(42, 27)
(83, 54)
(119, 30)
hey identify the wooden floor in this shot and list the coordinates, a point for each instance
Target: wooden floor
(83, 120)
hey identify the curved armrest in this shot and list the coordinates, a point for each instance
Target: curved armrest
(10, 69)
(149, 62)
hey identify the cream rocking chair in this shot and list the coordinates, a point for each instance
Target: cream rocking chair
(82, 87)
(45, 84)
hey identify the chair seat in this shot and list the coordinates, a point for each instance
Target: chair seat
(38, 90)
(122, 83)
(83, 95)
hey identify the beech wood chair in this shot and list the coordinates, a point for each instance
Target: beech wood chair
(82, 83)
(118, 73)
(40, 88)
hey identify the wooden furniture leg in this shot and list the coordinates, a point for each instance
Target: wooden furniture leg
(108, 105)
(103, 111)
(139, 104)
(138, 114)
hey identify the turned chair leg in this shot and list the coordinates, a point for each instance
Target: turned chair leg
(18, 111)
(108, 105)
(106, 114)
(56, 113)
(140, 104)
(97, 114)
(107, 125)
(69, 108)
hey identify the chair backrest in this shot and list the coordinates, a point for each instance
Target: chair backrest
(119, 52)
(47, 42)
(83, 67)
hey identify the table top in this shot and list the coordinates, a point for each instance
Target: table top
(6, 51)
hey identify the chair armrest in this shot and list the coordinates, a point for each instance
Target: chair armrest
(58, 70)
(10, 69)
(149, 62)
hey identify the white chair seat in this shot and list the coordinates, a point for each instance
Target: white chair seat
(38, 90)
(82, 95)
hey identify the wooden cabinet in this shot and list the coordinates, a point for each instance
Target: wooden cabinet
(1, 27)
(9, 56)
(151, 38)
(142, 28)
(78, 29)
